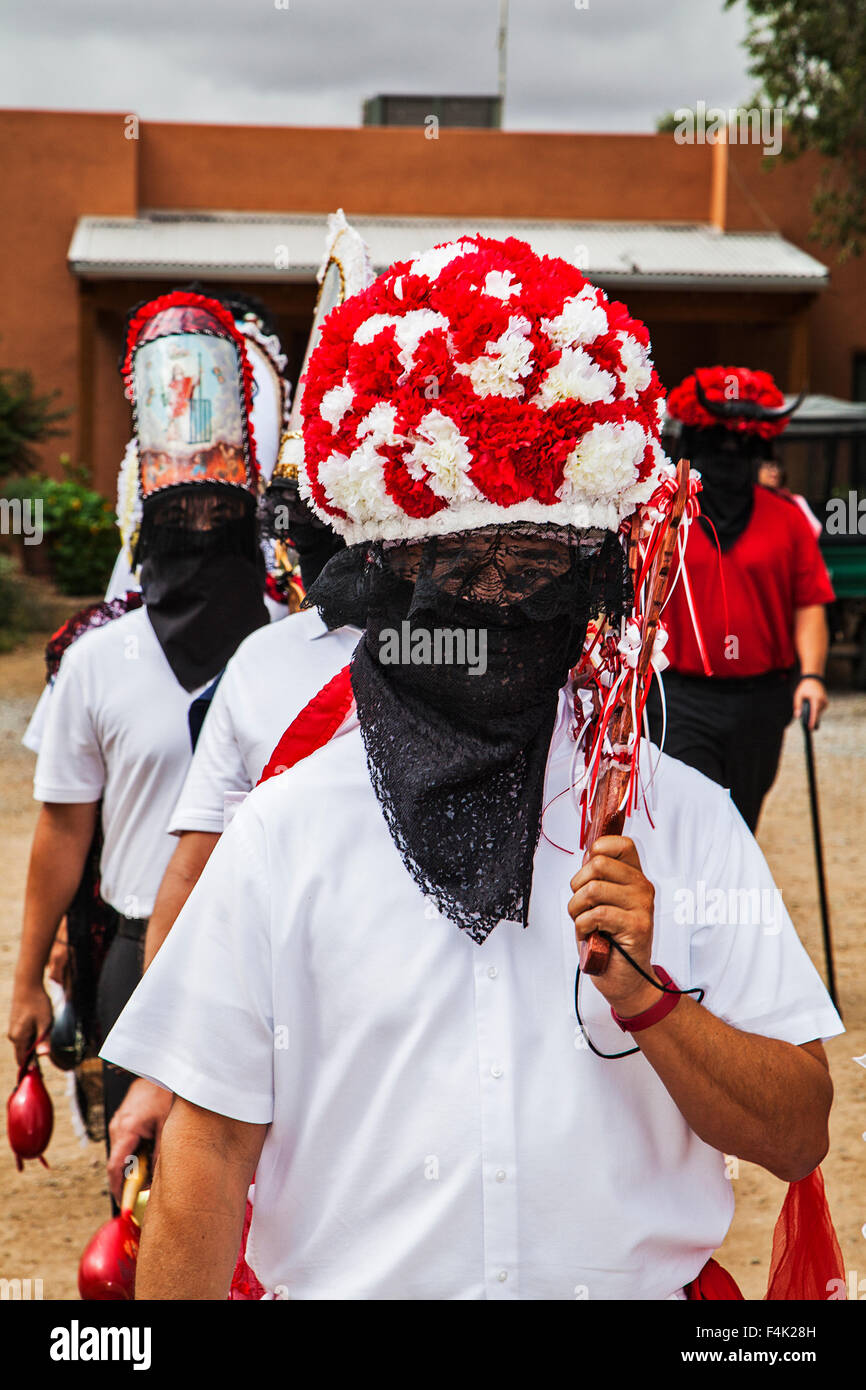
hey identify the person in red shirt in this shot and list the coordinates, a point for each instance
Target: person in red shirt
(758, 586)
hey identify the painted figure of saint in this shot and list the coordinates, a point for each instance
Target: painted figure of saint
(181, 389)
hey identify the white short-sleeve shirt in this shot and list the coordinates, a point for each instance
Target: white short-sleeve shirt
(271, 677)
(117, 728)
(120, 583)
(434, 1113)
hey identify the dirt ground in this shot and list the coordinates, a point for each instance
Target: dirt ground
(47, 1216)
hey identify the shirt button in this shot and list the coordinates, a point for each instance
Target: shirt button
(502, 1275)
(500, 1176)
(493, 972)
(496, 1071)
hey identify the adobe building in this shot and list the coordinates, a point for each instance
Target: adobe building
(701, 241)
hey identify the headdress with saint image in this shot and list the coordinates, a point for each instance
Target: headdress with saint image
(271, 401)
(189, 378)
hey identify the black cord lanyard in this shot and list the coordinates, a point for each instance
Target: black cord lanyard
(663, 989)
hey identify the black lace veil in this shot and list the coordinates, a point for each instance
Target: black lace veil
(457, 732)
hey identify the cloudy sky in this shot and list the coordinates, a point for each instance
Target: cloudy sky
(572, 64)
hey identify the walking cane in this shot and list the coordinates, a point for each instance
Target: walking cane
(805, 714)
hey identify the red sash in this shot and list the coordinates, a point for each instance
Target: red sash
(317, 722)
(806, 1258)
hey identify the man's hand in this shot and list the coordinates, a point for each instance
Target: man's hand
(761, 1099)
(29, 1018)
(141, 1116)
(611, 893)
(814, 692)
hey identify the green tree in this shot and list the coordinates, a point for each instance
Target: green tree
(810, 58)
(25, 420)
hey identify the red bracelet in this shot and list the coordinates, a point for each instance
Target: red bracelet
(664, 1005)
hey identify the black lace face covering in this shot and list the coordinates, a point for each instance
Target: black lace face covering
(468, 640)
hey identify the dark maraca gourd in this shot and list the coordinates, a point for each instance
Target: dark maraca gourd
(66, 1040)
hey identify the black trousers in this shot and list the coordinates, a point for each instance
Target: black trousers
(731, 730)
(121, 971)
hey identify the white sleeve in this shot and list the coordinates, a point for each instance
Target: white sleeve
(35, 730)
(217, 767)
(201, 1021)
(70, 766)
(747, 954)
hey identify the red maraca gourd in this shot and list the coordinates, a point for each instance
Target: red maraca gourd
(107, 1269)
(29, 1115)
(106, 1272)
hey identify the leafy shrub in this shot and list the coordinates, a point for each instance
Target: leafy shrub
(79, 528)
(25, 420)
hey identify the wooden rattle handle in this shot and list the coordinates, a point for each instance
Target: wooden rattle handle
(594, 952)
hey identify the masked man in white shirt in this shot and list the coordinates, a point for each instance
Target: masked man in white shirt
(369, 998)
(270, 678)
(117, 732)
(271, 397)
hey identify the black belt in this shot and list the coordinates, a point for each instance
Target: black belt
(735, 683)
(132, 927)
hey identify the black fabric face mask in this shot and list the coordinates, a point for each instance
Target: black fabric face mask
(728, 465)
(202, 581)
(457, 749)
(315, 546)
(285, 516)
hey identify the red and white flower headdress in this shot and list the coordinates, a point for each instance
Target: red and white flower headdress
(733, 398)
(482, 384)
(479, 384)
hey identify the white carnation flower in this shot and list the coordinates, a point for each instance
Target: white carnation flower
(409, 329)
(501, 284)
(605, 463)
(431, 263)
(441, 458)
(357, 484)
(575, 377)
(507, 361)
(336, 402)
(379, 424)
(662, 466)
(638, 371)
(581, 320)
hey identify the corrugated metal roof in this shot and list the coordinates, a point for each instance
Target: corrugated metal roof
(289, 247)
(825, 415)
